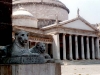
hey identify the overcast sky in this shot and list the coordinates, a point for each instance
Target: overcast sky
(89, 9)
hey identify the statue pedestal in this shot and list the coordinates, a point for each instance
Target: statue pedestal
(30, 69)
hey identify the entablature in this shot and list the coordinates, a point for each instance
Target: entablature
(67, 30)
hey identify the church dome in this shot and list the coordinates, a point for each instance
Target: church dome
(22, 12)
(56, 2)
(44, 10)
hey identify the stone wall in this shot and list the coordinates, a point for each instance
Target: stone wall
(31, 69)
(27, 22)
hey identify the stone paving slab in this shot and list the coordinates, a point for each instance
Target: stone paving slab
(79, 68)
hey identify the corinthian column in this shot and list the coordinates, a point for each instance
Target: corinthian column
(64, 47)
(76, 47)
(70, 47)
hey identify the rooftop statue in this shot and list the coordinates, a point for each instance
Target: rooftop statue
(19, 51)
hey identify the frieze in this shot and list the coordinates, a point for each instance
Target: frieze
(70, 31)
(75, 31)
(40, 39)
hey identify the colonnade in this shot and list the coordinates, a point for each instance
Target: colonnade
(95, 47)
(85, 50)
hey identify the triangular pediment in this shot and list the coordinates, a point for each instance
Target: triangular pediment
(79, 24)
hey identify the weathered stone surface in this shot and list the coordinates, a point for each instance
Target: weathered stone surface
(24, 60)
(31, 69)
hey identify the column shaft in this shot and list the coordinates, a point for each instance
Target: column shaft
(76, 47)
(56, 47)
(88, 50)
(64, 47)
(82, 48)
(97, 47)
(93, 54)
(70, 47)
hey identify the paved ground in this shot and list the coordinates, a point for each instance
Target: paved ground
(86, 67)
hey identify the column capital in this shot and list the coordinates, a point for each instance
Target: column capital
(87, 36)
(64, 33)
(70, 34)
(82, 35)
(76, 35)
(92, 36)
(56, 33)
(97, 37)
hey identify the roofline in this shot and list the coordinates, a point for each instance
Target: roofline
(82, 19)
(69, 21)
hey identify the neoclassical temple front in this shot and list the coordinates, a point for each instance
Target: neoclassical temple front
(74, 39)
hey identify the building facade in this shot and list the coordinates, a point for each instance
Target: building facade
(47, 21)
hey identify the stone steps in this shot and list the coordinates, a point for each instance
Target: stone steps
(81, 62)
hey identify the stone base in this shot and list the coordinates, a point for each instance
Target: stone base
(59, 61)
(31, 69)
(23, 60)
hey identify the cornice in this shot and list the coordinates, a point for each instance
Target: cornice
(70, 31)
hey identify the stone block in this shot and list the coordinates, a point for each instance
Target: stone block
(30, 69)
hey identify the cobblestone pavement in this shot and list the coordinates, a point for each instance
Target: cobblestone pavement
(85, 67)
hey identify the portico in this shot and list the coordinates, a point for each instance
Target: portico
(78, 49)
(74, 39)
